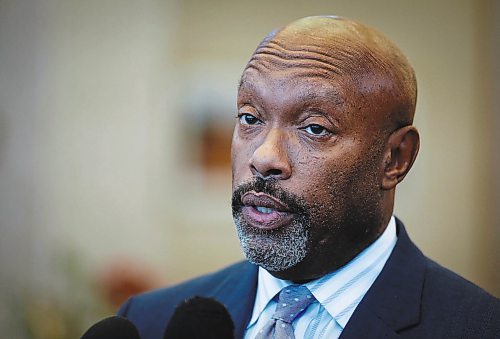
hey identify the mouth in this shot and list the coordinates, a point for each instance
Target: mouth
(265, 212)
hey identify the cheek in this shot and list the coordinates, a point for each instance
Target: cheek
(240, 157)
(319, 175)
(334, 186)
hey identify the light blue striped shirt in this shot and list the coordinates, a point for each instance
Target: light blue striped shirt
(337, 294)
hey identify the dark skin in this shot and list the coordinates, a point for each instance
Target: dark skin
(325, 109)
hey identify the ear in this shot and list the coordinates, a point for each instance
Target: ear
(401, 151)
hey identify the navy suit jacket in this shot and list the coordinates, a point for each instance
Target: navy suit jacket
(413, 297)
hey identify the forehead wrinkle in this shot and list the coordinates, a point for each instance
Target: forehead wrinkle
(311, 52)
(285, 58)
(338, 57)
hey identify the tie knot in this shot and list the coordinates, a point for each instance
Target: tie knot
(292, 301)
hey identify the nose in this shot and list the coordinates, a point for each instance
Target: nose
(270, 159)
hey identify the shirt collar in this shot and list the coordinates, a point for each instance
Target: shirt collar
(337, 289)
(267, 288)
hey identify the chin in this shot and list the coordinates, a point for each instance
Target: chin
(277, 250)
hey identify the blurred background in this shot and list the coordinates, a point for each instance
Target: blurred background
(115, 127)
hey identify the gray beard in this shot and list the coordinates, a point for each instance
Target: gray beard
(275, 250)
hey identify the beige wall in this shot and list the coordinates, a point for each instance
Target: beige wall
(91, 130)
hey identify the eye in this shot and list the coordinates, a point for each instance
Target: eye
(316, 130)
(248, 119)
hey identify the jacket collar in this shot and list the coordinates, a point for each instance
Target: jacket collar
(393, 301)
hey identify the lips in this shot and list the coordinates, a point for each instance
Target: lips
(264, 211)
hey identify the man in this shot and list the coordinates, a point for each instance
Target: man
(324, 135)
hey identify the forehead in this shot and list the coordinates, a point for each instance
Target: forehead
(317, 52)
(311, 66)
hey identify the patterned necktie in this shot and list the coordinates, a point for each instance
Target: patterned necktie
(292, 301)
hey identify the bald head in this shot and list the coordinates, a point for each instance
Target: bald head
(356, 56)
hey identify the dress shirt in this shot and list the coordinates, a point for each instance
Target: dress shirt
(337, 294)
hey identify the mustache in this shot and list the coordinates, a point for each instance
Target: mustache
(270, 187)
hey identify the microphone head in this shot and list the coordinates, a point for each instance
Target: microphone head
(200, 318)
(112, 328)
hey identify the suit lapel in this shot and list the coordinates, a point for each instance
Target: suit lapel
(393, 301)
(237, 292)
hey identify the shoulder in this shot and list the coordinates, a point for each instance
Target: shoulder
(204, 285)
(449, 305)
(448, 298)
(151, 311)
(440, 281)
(419, 297)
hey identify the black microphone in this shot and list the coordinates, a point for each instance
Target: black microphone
(200, 318)
(112, 328)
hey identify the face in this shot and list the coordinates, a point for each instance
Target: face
(306, 160)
